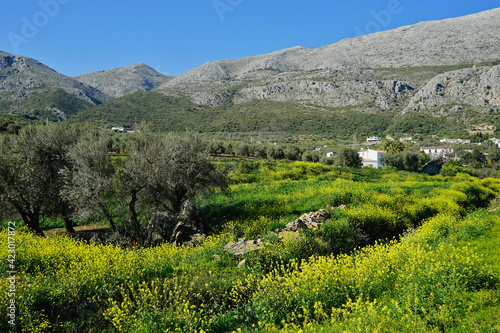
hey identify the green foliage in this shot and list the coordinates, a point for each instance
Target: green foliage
(348, 158)
(339, 277)
(394, 146)
(405, 160)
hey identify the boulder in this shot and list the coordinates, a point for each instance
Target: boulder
(159, 228)
(191, 225)
(242, 246)
(309, 221)
(433, 167)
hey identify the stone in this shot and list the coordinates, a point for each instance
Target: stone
(191, 225)
(159, 228)
(433, 167)
(243, 246)
(95, 240)
(312, 220)
(242, 263)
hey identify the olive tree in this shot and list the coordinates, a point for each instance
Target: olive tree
(348, 158)
(405, 160)
(160, 172)
(30, 166)
(89, 181)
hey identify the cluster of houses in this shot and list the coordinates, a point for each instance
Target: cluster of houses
(372, 158)
(454, 141)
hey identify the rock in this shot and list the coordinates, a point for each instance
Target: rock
(160, 228)
(295, 225)
(243, 246)
(191, 225)
(95, 240)
(308, 221)
(157, 239)
(433, 167)
(242, 263)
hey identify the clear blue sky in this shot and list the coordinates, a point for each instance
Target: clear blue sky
(80, 36)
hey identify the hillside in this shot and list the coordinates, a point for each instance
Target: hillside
(432, 77)
(435, 77)
(349, 72)
(122, 81)
(30, 88)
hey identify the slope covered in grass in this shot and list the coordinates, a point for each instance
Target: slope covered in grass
(435, 278)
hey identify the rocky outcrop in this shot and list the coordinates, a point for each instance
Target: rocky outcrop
(159, 228)
(243, 246)
(433, 167)
(310, 221)
(20, 73)
(471, 86)
(191, 225)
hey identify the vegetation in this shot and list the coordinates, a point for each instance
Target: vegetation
(41, 103)
(348, 275)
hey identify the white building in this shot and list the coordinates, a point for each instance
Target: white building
(436, 151)
(496, 142)
(119, 129)
(372, 158)
(330, 154)
(373, 139)
(455, 141)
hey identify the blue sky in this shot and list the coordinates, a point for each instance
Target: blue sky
(76, 37)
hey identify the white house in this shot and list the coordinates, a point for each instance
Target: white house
(436, 151)
(455, 141)
(330, 154)
(119, 129)
(496, 142)
(372, 158)
(373, 139)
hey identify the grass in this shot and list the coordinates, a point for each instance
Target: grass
(435, 278)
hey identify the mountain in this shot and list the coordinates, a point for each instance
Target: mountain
(431, 77)
(427, 78)
(122, 81)
(31, 88)
(364, 71)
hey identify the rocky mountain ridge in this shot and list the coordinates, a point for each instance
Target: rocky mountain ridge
(347, 73)
(441, 67)
(125, 80)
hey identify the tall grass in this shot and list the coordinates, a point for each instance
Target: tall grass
(349, 275)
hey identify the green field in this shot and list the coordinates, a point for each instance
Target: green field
(402, 252)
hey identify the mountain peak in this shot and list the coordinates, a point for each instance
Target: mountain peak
(118, 82)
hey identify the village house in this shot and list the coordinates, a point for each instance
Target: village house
(373, 139)
(436, 151)
(495, 141)
(119, 129)
(455, 141)
(372, 158)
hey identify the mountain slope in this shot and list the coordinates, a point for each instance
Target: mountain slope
(382, 70)
(33, 90)
(122, 81)
(18, 73)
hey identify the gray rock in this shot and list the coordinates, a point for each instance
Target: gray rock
(159, 228)
(191, 224)
(242, 263)
(433, 167)
(243, 246)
